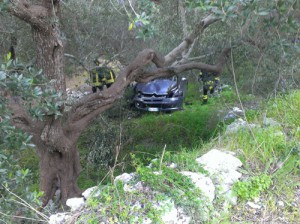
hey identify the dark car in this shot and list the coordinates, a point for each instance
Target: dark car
(165, 94)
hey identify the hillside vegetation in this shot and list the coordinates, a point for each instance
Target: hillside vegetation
(268, 147)
(125, 140)
(58, 139)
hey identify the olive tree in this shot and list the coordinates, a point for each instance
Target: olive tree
(56, 129)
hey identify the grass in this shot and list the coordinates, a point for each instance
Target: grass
(273, 152)
(268, 152)
(187, 128)
(147, 133)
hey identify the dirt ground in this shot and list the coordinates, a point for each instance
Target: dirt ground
(78, 82)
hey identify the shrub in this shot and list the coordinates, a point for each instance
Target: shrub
(253, 187)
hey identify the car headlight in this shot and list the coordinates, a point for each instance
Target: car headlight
(178, 93)
(174, 94)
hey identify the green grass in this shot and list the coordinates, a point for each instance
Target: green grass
(285, 108)
(187, 128)
(271, 152)
(146, 134)
(261, 150)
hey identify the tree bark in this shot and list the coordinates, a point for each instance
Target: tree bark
(56, 147)
(50, 54)
(59, 171)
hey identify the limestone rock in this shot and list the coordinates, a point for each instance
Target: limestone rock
(238, 124)
(204, 183)
(234, 113)
(75, 203)
(91, 191)
(222, 166)
(125, 177)
(216, 161)
(59, 218)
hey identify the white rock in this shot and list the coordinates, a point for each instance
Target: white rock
(94, 191)
(222, 166)
(171, 213)
(226, 178)
(182, 218)
(234, 126)
(128, 188)
(215, 161)
(173, 165)
(238, 124)
(237, 110)
(75, 203)
(125, 177)
(234, 113)
(152, 161)
(59, 218)
(280, 203)
(139, 186)
(253, 205)
(204, 183)
(256, 200)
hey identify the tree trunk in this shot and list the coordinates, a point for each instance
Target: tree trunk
(59, 171)
(50, 55)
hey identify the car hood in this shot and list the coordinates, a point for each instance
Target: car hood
(158, 86)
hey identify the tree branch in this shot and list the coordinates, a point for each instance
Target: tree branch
(91, 105)
(188, 41)
(173, 70)
(20, 117)
(33, 14)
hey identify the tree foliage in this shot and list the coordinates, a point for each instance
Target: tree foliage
(15, 181)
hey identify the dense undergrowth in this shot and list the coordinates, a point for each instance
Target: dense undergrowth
(269, 152)
(268, 148)
(123, 131)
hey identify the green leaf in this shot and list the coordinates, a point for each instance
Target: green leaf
(2, 75)
(3, 170)
(9, 56)
(263, 13)
(25, 172)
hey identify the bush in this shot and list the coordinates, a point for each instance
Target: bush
(253, 187)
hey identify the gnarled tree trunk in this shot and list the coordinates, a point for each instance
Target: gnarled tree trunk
(58, 155)
(59, 171)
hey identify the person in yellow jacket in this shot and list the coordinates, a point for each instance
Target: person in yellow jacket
(101, 76)
(210, 82)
